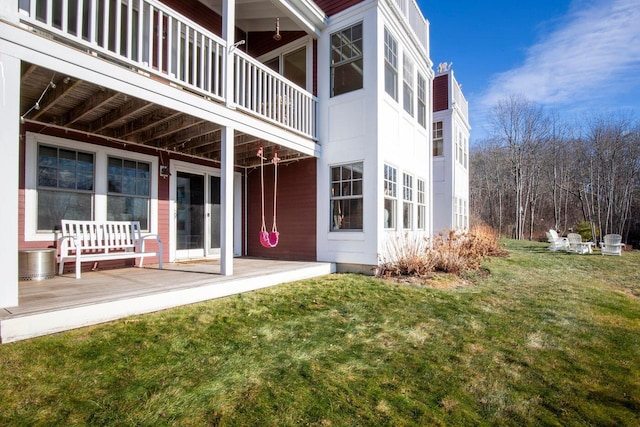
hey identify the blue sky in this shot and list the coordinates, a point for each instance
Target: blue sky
(578, 57)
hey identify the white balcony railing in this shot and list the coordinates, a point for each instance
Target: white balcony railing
(267, 94)
(147, 36)
(460, 101)
(420, 26)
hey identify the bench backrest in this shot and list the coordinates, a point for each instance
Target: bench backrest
(103, 234)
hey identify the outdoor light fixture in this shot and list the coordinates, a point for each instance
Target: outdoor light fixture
(164, 171)
(277, 35)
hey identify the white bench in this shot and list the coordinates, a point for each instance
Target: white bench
(102, 241)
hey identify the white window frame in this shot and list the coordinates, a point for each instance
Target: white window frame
(101, 155)
(390, 63)
(438, 138)
(280, 53)
(466, 214)
(407, 200)
(466, 153)
(349, 197)
(113, 194)
(421, 201)
(422, 101)
(346, 61)
(407, 85)
(390, 189)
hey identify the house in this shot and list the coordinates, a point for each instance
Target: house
(156, 111)
(450, 152)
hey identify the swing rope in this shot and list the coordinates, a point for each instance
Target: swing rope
(261, 155)
(275, 161)
(268, 240)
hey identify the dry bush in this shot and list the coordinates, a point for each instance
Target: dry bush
(450, 251)
(406, 255)
(457, 251)
(486, 241)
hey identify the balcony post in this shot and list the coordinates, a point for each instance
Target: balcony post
(228, 34)
(226, 201)
(10, 124)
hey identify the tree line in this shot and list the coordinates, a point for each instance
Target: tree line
(538, 172)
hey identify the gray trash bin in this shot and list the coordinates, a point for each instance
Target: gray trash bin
(36, 264)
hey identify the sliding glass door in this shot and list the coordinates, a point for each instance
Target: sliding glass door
(197, 215)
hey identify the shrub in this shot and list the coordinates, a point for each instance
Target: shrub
(405, 255)
(451, 251)
(584, 230)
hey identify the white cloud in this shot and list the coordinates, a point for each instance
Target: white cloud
(593, 52)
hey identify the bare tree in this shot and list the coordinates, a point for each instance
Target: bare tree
(489, 183)
(614, 158)
(521, 127)
(538, 172)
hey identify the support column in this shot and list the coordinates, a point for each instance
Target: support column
(228, 34)
(226, 202)
(9, 161)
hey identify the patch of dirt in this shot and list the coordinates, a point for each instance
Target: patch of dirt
(433, 281)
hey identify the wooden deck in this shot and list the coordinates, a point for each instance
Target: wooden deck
(64, 303)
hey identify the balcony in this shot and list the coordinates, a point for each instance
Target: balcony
(459, 101)
(412, 15)
(149, 38)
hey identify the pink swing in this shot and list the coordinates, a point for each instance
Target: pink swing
(269, 239)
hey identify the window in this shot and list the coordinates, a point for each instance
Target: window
(459, 145)
(346, 60)
(407, 86)
(68, 179)
(128, 194)
(438, 139)
(346, 197)
(422, 101)
(461, 213)
(292, 65)
(390, 65)
(465, 162)
(390, 196)
(422, 208)
(407, 204)
(465, 213)
(65, 186)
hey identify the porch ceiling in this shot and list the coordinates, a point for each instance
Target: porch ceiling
(260, 15)
(60, 101)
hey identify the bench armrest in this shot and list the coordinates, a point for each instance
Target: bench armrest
(65, 243)
(145, 237)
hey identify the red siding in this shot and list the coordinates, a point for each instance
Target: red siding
(296, 214)
(198, 13)
(261, 42)
(441, 93)
(331, 7)
(201, 15)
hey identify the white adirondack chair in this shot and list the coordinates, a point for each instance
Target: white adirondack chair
(556, 242)
(576, 245)
(612, 245)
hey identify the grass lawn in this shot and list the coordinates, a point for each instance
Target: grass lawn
(544, 339)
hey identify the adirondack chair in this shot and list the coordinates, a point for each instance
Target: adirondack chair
(612, 245)
(556, 242)
(576, 245)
